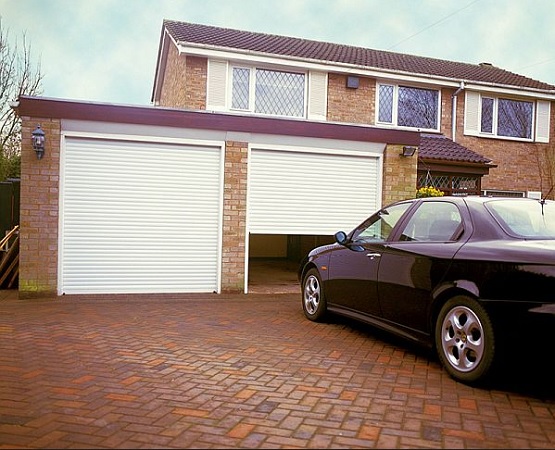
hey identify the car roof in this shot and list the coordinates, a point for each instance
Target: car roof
(480, 199)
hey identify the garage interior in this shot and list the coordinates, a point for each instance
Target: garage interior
(274, 261)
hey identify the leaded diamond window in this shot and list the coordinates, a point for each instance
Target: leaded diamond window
(464, 183)
(515, 118)
(507, 117)
(385, 113)
(279, 93)
(273, 92)
(442, 182)
(487, 115)
(241, 88)
(451, 184)
(408, 107)
(417, 108)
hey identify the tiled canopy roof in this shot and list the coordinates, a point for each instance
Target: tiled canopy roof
(225, 38)
(440, 147)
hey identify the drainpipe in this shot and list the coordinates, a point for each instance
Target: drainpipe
(454, 112)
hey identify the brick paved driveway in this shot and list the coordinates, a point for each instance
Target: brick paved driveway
(245, 371)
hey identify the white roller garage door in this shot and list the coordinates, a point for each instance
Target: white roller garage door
(139, 217)
(295, 192)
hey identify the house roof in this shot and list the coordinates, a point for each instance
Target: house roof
(231, 39)
(441, 148)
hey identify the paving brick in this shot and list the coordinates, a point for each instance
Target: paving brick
(235, 370)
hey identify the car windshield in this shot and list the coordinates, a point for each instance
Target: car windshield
(527, 219)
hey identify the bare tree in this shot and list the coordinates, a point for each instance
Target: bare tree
(18, 76)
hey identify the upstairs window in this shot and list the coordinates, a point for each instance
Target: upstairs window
(240, 93)
(507, 118)
(269, 92)
(497, 117)
(487, 115)
(409, 107)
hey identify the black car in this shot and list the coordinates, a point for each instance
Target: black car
(466, 275)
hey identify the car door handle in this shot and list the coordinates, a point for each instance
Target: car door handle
(373, 255)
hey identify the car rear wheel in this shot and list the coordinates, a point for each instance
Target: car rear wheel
(465, 340)
(314, 302)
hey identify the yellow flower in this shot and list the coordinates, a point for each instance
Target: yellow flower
(428, 191)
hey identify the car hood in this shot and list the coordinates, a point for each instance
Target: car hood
(518, 251)
(323, 249)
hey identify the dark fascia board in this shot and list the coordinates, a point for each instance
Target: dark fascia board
(50, 108)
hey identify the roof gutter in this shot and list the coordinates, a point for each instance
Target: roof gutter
(454, 111)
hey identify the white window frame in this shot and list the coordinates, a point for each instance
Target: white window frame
(252, 89)
(395, 112)
(540, 125)
(250, 101)
(495, 118)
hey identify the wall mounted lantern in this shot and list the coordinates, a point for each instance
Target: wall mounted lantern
(38, 141)
(408, 150)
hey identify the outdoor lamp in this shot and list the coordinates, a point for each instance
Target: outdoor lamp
(38, 141)
(408, 150)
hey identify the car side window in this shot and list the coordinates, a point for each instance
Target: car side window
(378, 227)
(434, 221)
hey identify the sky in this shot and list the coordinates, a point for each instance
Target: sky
(106, 50)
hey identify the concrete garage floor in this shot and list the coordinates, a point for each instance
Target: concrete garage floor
(273, 276)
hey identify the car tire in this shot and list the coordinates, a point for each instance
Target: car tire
(314, 301)
(465, 340)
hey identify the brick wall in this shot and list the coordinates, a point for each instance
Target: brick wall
(196, 73)
(39, 213)
(399, 175)
(235, 215)
(447, 110)
(173, 89)
(521, 166)
(38, 253)
(184, 83)
(351, 105)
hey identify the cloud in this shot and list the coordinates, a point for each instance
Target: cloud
(106, 50)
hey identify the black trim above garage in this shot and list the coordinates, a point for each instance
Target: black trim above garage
(200, 119)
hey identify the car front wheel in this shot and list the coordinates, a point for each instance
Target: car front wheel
(465, 340)
(314, 303)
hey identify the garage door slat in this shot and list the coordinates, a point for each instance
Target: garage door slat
(134, 213)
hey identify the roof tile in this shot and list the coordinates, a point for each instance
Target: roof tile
(227, 38)
(440, 147)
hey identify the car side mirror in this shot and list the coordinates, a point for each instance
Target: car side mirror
(341, 237)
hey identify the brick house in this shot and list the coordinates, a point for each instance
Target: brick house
(260, 146)
(502, 118)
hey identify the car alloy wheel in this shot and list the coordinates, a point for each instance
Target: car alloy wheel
(465, 339)
(314, 303)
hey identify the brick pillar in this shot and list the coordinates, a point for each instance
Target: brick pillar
(399, 175)
(235, 215)
(39, 211)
